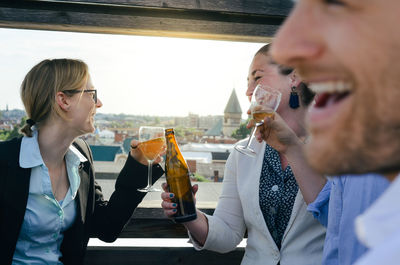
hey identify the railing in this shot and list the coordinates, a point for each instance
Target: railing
(151, 238)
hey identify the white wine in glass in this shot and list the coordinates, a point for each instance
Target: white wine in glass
(260, 116)
(152, 144)
(264, 102)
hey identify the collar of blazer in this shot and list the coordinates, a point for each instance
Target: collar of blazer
(13, 196)
(86, 173)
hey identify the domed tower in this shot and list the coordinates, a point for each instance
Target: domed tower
(232, 115)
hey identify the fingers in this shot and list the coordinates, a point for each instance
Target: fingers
(136, 153)
(257, 108)
(164, 186)
(262, 134)
(277, 133)
(158, 160)
(135, 144)
(267, 133)
(169, 208)
(167, 196)
(195, 188)
(276, 124)
(250, 124)
(164, 150)
(264, 130)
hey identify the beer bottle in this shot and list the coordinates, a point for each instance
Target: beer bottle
(177, 173)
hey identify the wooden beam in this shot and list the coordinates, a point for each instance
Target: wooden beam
(237, 20)
(260, 7)
(159, 255)
(152, 223)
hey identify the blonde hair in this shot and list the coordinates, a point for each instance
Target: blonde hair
(41, 84)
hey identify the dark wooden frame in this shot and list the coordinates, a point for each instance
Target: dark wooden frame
(152, 223)
(160, 256)
(238, 20)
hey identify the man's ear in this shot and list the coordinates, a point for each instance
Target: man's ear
(63, 101)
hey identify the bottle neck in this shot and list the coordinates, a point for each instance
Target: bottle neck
(174, 155)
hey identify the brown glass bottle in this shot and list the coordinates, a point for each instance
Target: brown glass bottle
(177, 173)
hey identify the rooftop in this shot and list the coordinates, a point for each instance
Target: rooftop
(216, 130)
(233, 105)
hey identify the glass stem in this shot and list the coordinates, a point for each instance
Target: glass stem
(251, 136)
(150, 173)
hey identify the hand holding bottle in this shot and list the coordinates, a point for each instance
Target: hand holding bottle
(178, 179)
(198, 228)
(169, 207)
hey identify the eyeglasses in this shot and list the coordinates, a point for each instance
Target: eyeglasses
(75, 91)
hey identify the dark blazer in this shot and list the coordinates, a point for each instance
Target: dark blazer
(96, 217)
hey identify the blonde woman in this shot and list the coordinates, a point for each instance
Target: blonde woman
(50, 203)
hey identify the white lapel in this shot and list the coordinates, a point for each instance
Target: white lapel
(298, 204)
(249, 171)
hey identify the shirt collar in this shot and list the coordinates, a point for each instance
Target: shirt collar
(382, 219)
(30, 156)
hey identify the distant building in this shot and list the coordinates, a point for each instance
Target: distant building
(6, 126)
(180, 121)
(215, 135)
(232, 115)
(190, 121)
(194, 120)
(105, 152)
(11, 117)
(209, 121)
(120, 134)
(207, 159)
(215, 130)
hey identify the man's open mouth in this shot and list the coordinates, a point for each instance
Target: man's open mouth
(329, 93)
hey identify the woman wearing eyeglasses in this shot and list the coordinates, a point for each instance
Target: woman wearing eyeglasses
(50, 203)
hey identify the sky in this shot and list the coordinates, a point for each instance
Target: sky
(136, 75)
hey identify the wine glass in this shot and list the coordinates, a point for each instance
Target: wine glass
(152, 144)
(264, 102)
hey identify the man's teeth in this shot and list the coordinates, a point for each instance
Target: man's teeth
(330, 87)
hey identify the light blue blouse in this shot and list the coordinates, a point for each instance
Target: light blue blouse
(45, 218)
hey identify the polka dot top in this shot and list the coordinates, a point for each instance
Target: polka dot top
(278, 191)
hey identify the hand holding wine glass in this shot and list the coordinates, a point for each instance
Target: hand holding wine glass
(264, 102)
(152, 144)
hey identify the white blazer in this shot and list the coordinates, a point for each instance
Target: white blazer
(238, 209)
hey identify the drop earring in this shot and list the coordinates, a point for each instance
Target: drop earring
(294, 98)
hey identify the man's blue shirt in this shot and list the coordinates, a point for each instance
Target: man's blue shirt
(338, 204)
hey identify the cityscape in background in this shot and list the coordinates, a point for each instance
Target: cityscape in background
(205, 141)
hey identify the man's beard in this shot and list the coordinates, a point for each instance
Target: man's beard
(363, 148)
